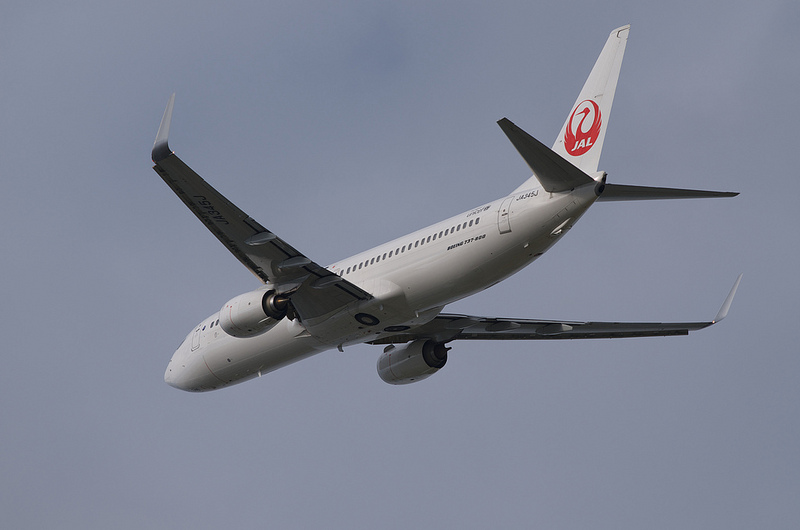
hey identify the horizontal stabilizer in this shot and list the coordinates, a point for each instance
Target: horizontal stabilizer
(550, 169)
(622, 192)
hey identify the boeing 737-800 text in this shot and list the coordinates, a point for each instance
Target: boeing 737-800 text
(394, 294)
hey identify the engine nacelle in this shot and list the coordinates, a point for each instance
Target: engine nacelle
(411, 362)
(252, 313)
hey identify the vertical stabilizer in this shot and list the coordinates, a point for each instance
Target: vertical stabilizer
(581, 138)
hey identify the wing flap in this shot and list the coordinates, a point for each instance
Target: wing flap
(485, 328)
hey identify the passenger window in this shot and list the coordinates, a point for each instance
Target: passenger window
(416, 243)
(428, 240)
(390, 253)
(384, 255)
(440, 234)
(458, 228)
(477, 220)
(472, 221)
(464, 225)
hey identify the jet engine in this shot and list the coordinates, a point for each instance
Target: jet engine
(411, 362)
(252, 313)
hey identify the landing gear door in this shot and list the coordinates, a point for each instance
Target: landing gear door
(504, 216)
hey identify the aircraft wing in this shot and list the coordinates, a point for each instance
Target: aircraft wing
(316, 290)
(448, 327)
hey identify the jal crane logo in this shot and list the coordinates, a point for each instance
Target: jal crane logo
(583, 128)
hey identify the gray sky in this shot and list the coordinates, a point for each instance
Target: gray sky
(340, 125)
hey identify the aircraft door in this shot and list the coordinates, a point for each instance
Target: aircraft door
(196, 339)
(504, 216)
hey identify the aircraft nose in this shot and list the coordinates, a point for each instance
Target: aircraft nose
(170, 376)
(175, 373)
(186, 374)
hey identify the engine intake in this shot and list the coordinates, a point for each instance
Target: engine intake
(253, 313)
(411, 362)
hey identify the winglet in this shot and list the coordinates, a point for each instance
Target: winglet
(161, 148)
(723, 311)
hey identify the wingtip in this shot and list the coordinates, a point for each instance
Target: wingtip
(723, 311)
(622, 28)
(161, 148)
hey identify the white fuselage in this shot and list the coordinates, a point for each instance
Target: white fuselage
(411, 279)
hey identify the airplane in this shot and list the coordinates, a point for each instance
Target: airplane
(394, 295)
